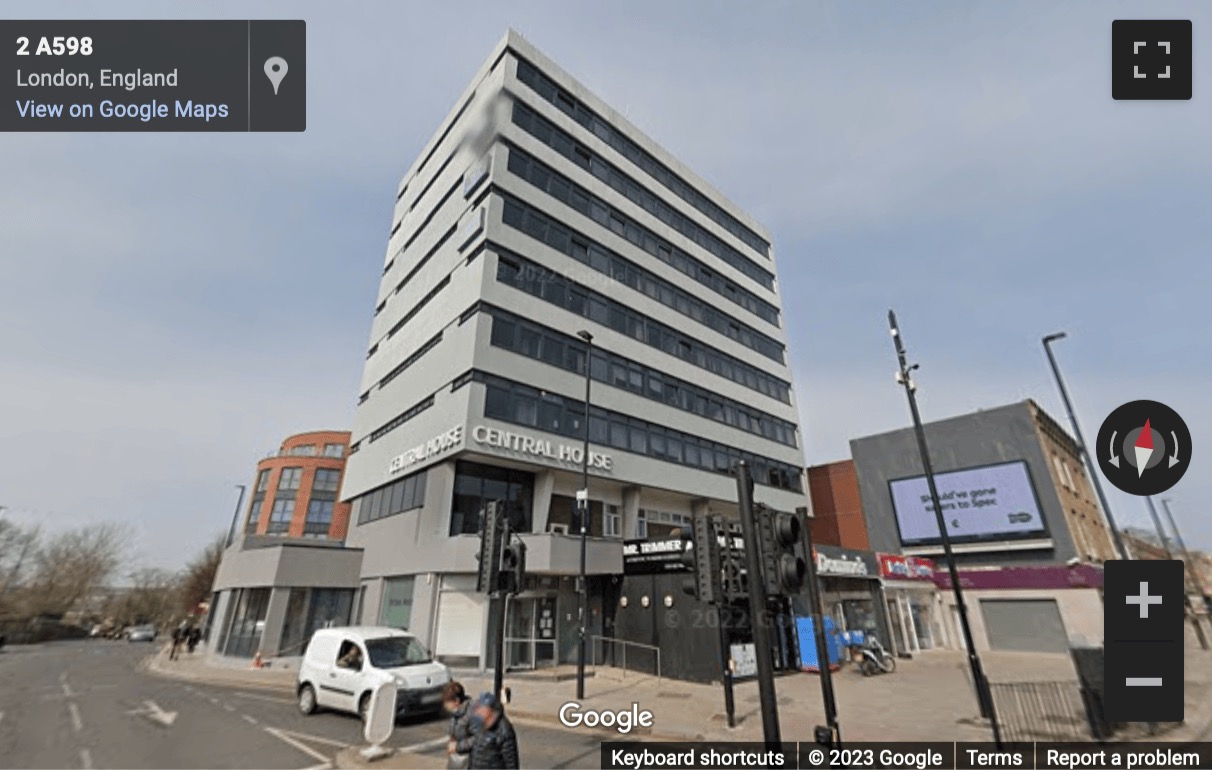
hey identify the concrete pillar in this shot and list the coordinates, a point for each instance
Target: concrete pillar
(275, 618)
(544, 486)
(631, 511)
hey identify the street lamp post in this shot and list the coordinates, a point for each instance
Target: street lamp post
(983, 695)
(583, 504)
(235, 517)
(1091, 468)
(1192, 570)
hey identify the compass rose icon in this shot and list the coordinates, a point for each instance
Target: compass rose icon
(1144, 448)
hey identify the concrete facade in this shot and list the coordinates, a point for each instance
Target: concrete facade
(1003, 434)
(536, 212)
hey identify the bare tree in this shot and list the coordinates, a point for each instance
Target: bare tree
(199, 575)
(154, 597)
(70, 565)
(17, 545)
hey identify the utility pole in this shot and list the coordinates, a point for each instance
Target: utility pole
(1091, 466)
(833, 730)
(757, 609)
(903, 376)
(235, 517)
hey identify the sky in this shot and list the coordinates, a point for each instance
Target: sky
(173, 305)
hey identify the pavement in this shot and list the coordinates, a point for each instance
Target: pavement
(928, 698)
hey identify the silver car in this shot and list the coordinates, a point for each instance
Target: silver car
(142, 634)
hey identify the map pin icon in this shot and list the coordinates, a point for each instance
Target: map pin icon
(275, 70)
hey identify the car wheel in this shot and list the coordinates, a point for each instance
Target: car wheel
(307, 700)
(364, 707)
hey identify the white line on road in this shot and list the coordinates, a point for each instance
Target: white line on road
(77, 724)
(228, 707)
(1, 716)
(249, 719)
(323, 741)
(426, 745)
(213, 700)
(86, 759)
(308, 750)
(262, 697)
(67, 691)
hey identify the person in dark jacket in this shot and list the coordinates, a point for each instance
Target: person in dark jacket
(458, 705)
(494, 745)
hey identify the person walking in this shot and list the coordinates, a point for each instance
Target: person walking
(172, 654)
(458, 705)
(194, 635)
(494, 744)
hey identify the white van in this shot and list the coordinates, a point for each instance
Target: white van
(341, 667)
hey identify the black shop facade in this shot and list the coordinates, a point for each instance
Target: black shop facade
(654, 616)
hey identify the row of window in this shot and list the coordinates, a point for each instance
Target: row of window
(528, 338)
(402, 418)
(547, 133)
(424, 260)
(547, 88)
(419, 306)
(546, 230)
(397, 497)
(563, 292)
(412, 359)
(560, 187)
(520, 404)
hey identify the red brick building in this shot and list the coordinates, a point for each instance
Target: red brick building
(296, 491)
(837, 508)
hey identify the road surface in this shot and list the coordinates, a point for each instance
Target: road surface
(90, 704)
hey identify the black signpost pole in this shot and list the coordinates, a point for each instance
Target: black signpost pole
(984, 695)
(758, 611)
(723, 613)
(817, 608)
(498, 676)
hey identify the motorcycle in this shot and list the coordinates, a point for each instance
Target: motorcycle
(876, 660)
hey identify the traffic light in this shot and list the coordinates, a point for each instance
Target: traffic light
(492, 537)
(513, 568)
(701, 552)
(732, 561)
(778, 535)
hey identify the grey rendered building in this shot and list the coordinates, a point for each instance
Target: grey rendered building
(535, 213)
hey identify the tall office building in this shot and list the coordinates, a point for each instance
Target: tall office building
(537, 213)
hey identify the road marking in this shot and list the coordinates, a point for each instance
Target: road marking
(189, 688)
(213, 700)
(77, 724)
(426, 745)
(228, 707)
(309, 751)
(318, 739)
(86, 759)
(249, 719)
(263, 697)
(152, 711)
(67, 691)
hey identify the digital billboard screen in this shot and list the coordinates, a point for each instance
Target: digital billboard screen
(993, 502)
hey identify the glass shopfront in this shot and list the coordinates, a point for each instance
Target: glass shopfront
(911, 600)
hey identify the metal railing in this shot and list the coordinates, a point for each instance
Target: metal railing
(620, 661)
(1041, 711)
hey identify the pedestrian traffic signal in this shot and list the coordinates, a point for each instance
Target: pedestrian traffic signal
(492, 536)
(513, 568)
(701, 552)
(778, 535)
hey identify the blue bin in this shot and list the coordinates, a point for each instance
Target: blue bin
(807, 634)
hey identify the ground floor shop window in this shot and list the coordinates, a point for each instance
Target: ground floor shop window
(247, 623)
(308, 609)
(396, 611)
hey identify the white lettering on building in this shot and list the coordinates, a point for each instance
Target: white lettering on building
(434, 446)
(536, 447)
(828, 566)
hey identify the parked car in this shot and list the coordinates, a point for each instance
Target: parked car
(342, 666)
(141, 634)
